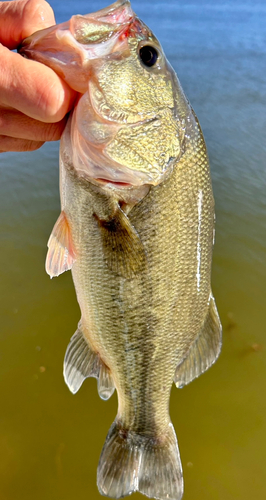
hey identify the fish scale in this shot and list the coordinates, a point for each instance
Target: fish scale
(136, 229)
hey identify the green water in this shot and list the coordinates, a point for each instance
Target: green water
(50, 440)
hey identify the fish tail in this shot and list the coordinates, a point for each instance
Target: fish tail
(132, 462)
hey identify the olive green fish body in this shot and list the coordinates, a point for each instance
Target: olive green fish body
(144, 327)
(137, 230)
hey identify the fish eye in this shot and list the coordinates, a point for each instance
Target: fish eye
(148, 55)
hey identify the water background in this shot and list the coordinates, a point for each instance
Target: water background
(50, 440)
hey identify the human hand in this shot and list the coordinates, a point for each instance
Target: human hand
(33, 99)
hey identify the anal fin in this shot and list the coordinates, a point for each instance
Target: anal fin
(205, 350)
(61, 254)
(123, 249)
(82, 362)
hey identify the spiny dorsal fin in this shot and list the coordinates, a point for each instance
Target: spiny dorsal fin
(61, 253)
(81, 362)
(123, 249)
(204, 351)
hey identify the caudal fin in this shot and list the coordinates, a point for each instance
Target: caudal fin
(131, 462)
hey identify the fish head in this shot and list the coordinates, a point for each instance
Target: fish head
(128, 126)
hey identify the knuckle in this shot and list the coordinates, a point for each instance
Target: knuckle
(54, 131)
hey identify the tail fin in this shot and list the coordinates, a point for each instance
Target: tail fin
(131, 462)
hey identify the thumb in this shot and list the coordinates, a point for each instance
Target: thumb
(20, 18)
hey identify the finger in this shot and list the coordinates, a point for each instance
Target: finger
(11, 144)
(20, 19)
(15, 124)
(33, 88)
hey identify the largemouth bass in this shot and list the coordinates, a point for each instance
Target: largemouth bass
(136, 229)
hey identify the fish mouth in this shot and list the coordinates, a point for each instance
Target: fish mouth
(125, 191)
(116, 184)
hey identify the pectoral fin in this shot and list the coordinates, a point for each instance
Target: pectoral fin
(204, 351)
(123, 249)
(61, 253)
(82, 362)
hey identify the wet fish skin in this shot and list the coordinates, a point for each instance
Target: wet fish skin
(136, 228)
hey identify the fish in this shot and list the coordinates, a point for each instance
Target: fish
(137, 230)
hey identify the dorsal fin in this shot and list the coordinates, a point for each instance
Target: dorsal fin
(81, 362)
(61, 254)
(205, 350)
(123, 249)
